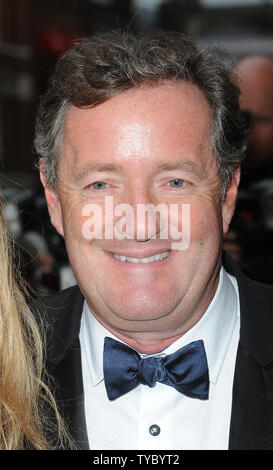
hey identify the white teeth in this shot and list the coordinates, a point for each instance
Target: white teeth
(142, 260)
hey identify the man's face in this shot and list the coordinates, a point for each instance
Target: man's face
(260, 145)
(256, 85)
(144, 146)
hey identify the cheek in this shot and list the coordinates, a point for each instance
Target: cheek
(73, 226)
(206, 225)
(82, 220)
(77, 239)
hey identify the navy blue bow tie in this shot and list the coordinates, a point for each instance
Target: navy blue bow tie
(186, 370)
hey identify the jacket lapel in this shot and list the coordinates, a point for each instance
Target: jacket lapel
(252, 406)
(63, 312)
(252, 409)
(69, 394)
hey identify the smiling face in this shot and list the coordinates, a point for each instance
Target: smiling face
(148, 145)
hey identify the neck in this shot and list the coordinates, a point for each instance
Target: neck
(146, 344)
(149, 342)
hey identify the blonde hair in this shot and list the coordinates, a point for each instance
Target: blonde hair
(24, 397)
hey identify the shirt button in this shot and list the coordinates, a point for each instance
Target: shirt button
(154, 430)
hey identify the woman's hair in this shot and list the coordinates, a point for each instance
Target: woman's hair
(98, 68)
(25, 400)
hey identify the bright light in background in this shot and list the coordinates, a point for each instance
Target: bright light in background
(148, 5)
(147, 10)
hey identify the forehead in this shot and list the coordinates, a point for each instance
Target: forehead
(255, 79)
(141, 123)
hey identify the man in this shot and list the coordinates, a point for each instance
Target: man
(253, 221)
(152, 121)
(255, 80)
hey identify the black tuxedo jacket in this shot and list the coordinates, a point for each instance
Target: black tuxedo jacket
(252, 407)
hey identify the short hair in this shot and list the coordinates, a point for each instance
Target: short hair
(100, 67)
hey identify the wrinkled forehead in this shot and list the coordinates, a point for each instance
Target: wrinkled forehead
(166, 116)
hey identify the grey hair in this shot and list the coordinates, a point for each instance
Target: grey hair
(98, 68)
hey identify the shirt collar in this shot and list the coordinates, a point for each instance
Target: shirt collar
(215, 328)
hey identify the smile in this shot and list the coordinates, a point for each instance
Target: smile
(150, 259)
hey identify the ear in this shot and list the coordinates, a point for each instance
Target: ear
(53, 201)
(228, 206)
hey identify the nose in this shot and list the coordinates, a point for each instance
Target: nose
(141, 218)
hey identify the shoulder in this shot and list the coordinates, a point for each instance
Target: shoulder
(58, 297)
(59, 318)
(256, 312)
(249, 288)
(59, 301)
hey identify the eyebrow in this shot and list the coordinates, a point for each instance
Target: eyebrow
(99, 167)
(199, 170)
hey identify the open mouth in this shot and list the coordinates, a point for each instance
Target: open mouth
(150, 259)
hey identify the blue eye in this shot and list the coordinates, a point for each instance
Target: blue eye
(99, 185)
(177, 183)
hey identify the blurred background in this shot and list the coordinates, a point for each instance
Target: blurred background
(33, 33)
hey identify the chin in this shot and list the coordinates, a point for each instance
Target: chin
(143, 307)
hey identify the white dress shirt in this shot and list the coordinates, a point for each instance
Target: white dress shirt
(184, 423)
